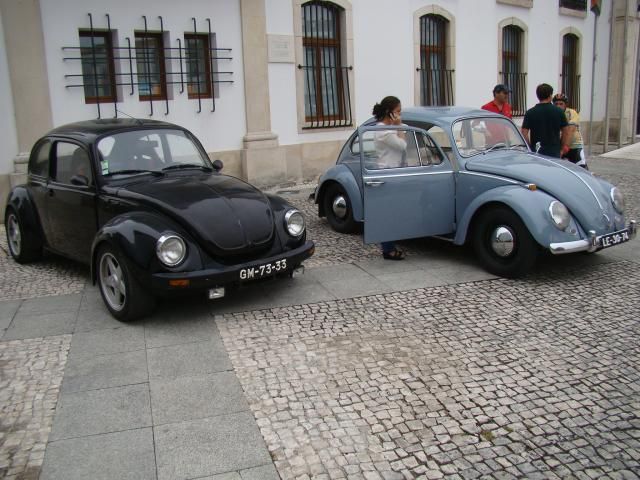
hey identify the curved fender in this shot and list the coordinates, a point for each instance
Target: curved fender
(531, 206)
(134, 235)
(343, 176)
(20, 200)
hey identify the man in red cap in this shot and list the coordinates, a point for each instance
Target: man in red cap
(499, 104)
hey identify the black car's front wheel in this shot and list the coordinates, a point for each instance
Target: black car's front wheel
(122, 294)
(22, 246)
(503, 243)
(337, 208)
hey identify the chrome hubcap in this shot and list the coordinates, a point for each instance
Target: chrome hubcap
(339, 206)
(112, 282)
(502, 241)
(13, 234)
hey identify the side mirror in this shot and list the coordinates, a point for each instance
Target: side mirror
(217, 165)
(80, 181)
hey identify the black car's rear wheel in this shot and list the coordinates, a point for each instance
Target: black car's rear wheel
(503, 243)
(122, 294)
(22, 246)
(337, 208)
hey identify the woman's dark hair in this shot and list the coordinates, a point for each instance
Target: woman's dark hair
(385, 107)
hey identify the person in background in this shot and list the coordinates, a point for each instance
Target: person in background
(545, 126)
(500, 103)
(391, 147)
(575, 152)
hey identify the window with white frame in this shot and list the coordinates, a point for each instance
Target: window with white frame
(512, 71)
(436, 81)
(570, 77)
(327, 101)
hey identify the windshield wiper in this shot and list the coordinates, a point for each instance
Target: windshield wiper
(513, 147)
(497, 145)
(179, 166)
(133, 172)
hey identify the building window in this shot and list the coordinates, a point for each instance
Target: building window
(512, 73)
(580, 5)
(436, 82)
(150, 63)
(198, 61)
(326, 80)
(570, 81)
(98, 71)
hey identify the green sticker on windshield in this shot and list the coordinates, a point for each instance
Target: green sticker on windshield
(105, 167)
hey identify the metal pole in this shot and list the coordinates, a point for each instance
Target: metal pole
(593, 83)
(606, 104)
(623, 71)
(634, 120)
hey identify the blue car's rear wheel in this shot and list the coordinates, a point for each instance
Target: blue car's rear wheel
(503, 243)
(337, 208)
(122, 294)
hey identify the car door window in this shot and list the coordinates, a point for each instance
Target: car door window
(71, 160)
(39, 163)
(386, 149)
(429, 153)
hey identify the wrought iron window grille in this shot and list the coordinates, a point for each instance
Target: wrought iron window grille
(511, 74)
(326, 80)
(580, 5)
(127, 76)
(436, 81)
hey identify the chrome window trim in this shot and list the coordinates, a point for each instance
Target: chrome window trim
(514, 182)
(405, 174)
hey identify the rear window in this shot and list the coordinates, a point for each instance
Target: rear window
(39, 162)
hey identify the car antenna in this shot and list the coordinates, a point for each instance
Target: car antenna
(138, 121)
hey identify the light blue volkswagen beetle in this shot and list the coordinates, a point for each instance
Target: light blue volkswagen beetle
(468, 176)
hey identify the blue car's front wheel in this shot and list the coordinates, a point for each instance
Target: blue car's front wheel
(503, 243)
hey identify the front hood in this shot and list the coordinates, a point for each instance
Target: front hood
(225, 214)
(586, 196)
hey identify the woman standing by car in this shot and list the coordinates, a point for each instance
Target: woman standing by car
(391, 148)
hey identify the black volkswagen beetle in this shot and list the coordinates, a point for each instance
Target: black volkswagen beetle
(140, 202)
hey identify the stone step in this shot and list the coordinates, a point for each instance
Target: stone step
(20, 163)
(17, 179)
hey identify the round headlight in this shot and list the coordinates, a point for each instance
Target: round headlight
(294, 221)
(559, 214)
(617, 199)
(171, 250)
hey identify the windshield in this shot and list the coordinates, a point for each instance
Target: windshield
(475, 136)
(149, 151)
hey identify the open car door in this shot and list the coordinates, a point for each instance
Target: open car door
(409, 191)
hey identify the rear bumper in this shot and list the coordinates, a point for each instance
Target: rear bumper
(204, 279)
(591, 244)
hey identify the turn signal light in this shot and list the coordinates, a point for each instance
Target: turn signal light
(182, 282)
(531, 186)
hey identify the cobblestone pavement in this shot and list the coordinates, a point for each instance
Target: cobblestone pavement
(30, 376)
(498, 378)
(50, 276)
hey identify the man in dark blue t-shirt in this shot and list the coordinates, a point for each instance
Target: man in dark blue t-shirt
(547, 124)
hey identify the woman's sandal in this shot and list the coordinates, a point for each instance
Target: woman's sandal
(394, 254)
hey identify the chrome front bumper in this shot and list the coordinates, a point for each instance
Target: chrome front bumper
(588, 245)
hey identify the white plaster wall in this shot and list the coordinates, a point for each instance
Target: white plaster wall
(8, 134)
(218, 131)
(383, 57)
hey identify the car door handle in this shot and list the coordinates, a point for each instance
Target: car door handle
(373, 183)
(51, 192)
